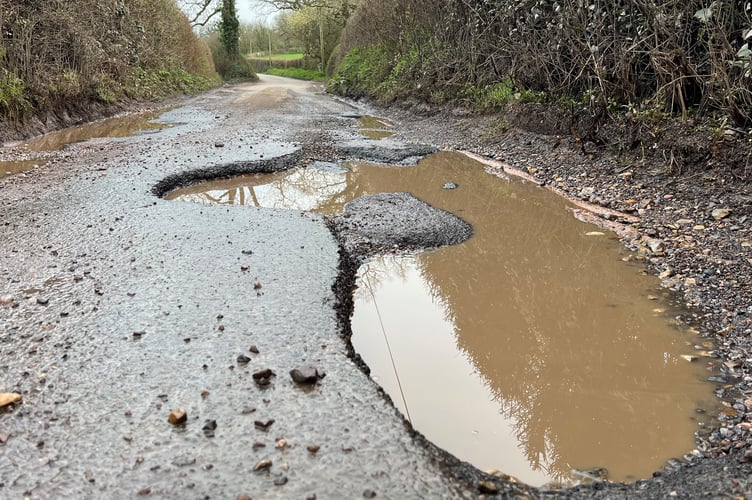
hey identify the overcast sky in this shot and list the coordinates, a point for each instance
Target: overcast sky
(250, 11)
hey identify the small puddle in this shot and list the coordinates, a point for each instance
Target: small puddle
(375, 128)
(16, 167)
(533, 348)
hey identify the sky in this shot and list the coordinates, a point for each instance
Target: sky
(250, 11)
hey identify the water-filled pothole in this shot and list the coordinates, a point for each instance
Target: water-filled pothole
(16, 167)
(119, 126)
(532, 348)
(375, 128)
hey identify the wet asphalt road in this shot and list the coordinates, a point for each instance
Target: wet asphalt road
(126, 307)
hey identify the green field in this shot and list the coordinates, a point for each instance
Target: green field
(278, 57)
(300, 74)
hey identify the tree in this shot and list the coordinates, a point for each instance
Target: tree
(200, 12)
(229, 29)
(318, 23)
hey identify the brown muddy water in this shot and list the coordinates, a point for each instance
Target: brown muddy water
(535, 348)
(16, 167)
(120, 126)
(375, 128)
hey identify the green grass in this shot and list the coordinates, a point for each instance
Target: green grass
(298, 73)
(287, 57)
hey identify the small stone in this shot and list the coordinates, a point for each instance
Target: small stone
(6, 299)
(262, 465)
(450, 185)
(313, 448)
(369, 494)
(262, 377)
(43, 301)
(282, 443)
(243, 496)
(209, 426)
(243, 359)
(689, 357)
(258, 445)
(254, 349)
(305, 375)
(144, 492)
(656, 246)
(257, 285)
(138, 335)
(263, 425)
(280, 481)
(4, 437)
(244, 269)
(219, 144)
(698, 227)
(177, 417)
(247, 410)
(488, 487)
(204, 394)
(8, 398)
(666, 274)
(720, 213)
(184, 461)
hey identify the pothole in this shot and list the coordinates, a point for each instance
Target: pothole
(120, 126)
(375, 128)
(535, 348)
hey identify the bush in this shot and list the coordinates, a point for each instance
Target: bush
(60, 54)
(680, 57)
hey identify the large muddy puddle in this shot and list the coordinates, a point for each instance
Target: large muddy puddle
(535, 348)
(120, 126)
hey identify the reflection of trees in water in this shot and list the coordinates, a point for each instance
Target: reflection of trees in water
(540, 314)
(300, 189)
(376, 271)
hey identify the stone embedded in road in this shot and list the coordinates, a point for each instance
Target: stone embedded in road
(450, 185)
(243, 359)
